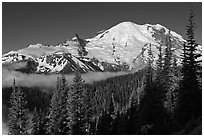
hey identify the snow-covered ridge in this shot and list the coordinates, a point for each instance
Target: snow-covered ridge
(123, 46)
(125, 41)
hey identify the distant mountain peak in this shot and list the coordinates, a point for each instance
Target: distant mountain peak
(122, 47)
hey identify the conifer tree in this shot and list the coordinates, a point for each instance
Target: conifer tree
(190, 97)
(77, 101)
(168, 75)
(54, 112)
(167, 70)
(88, 112)
(151, 112)
(59, 110)
(159, 76)
(18, 121)
(175, 82)
(68, 115)
(192, 64)
(146, 101)
(64, 106)
(149, 73)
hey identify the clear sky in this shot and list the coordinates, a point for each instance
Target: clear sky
(53, 23)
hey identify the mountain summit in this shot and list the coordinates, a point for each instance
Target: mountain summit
(123, 47)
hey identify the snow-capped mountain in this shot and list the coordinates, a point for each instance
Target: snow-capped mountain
(122, 47)
(128, 43)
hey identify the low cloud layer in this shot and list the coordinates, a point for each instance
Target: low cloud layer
(41, 80)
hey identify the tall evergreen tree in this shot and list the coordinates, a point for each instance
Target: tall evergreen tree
(166, 83)
(18, 120)
(89, 112)
(67, 115)
(149, 73)
(168, 75)
(59, 114)
(64, 106)
(159, 70)
(144, 108)
(77, 101)
(54, 113)
(151, 114)
(175, 82)
(192, 64)
(190, 97)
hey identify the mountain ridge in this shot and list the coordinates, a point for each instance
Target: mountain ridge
(122, 47)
